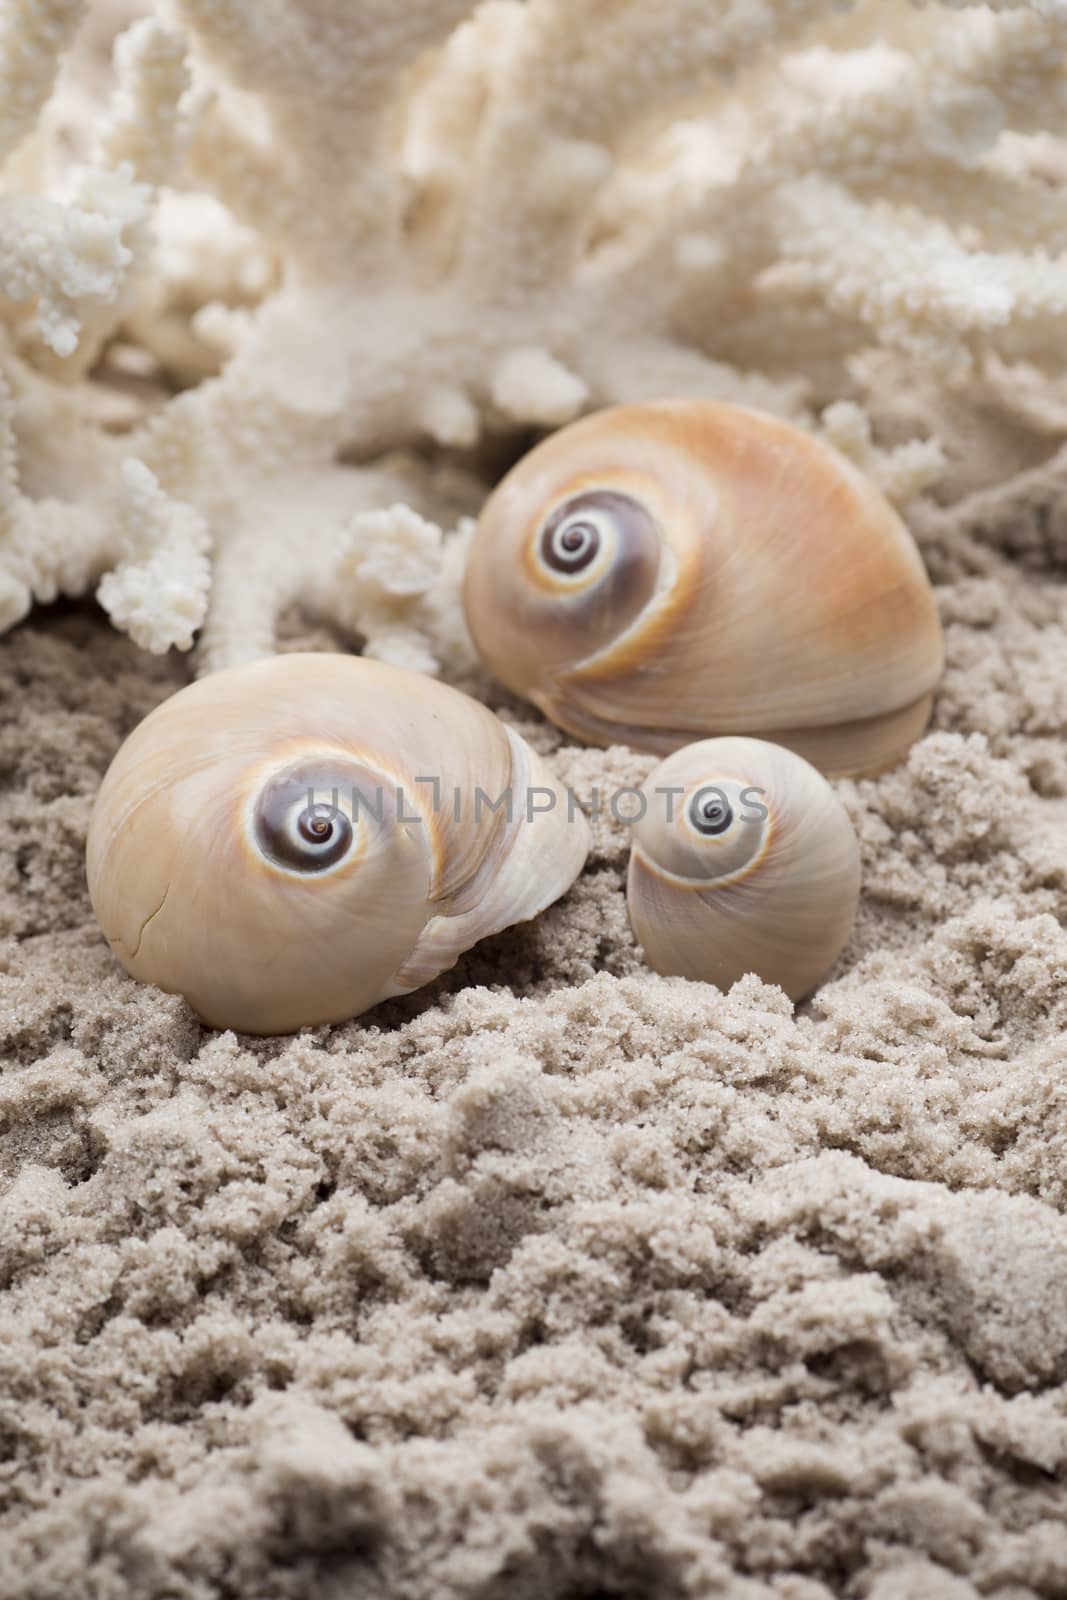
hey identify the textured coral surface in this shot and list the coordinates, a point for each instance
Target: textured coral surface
(349, 228)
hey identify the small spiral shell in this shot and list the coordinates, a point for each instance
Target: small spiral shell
(293, 841)
(658, 573)
(743, 860)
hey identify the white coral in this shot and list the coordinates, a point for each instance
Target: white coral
(33, 34)
(158, 591)
(901, 473)
(389, 561)
(437, 222)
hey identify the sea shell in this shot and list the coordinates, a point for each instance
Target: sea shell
(293, 841)
(657, 573)
(743, 860)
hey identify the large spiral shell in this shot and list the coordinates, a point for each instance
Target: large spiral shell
(658, 573)
(293, 841)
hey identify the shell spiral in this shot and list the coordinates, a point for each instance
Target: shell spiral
(743, 860)
(293, 841)
(653, 574)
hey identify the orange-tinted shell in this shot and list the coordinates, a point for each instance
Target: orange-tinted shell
(745, 579)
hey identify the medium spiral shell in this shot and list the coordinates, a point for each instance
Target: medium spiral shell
(653, 574)
(293, 841)
(743, 860)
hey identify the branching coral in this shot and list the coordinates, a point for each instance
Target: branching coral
(437, 223)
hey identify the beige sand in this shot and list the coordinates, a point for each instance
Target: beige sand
(558, 1279)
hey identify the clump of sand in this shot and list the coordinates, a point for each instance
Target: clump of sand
(558, 1279)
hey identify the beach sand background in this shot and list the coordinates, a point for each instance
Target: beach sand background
(557, 1279)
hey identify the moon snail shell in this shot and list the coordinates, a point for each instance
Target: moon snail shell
(293, 841)
(743, 860)
(653, 574)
